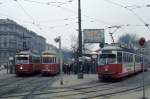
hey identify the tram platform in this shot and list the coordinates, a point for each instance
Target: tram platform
(72, 81)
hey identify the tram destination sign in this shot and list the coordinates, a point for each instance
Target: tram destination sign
(93, 36)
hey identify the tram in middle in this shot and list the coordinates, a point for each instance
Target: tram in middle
(50, 64)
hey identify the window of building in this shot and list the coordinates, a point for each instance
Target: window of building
(4, 54)
(0, 54)
(5, 41)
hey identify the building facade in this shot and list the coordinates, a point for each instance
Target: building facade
(52, 48)
(14, 37)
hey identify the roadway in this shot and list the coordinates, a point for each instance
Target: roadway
(37, 87)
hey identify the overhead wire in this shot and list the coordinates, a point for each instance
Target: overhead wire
(48, 3)
(126, 7)
(69, 10)
(29, 16)
(137, 6)
(3, 2)
(52, 27)
(14, 18)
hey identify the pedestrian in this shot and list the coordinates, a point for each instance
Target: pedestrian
(68, 69)
(64, 68)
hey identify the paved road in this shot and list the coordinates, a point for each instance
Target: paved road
(10, 84)
(37, 87)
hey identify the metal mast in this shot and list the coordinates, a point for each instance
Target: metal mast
(79, 30)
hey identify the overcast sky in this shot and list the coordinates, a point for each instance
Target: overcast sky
(51, 18)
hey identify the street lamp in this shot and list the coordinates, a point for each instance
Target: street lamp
(58, 39)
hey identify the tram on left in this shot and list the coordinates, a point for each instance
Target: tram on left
(27, 63)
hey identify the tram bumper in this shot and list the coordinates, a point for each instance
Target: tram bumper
(107, 75)
(47, 72)
(23, 72)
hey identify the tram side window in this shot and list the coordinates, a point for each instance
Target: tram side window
(54, 59)
(127, 57)
(30, 59)
(131, 57)
(119, 57)
(50, 59)
(124, 57)
(35, 59)
(137, 59)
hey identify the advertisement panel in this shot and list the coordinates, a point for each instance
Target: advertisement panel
(93, 36)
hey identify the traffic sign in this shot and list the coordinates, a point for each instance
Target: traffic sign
(142, 41)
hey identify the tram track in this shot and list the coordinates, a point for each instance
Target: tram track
(80, 92)
(91, 92)
(9, 81)
(16, 85)
(96, 90)
(51, 91)
(115, 92)
(30, 94)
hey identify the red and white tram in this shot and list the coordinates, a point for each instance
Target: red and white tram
(50, 64)
(116, 62)
(27, 63)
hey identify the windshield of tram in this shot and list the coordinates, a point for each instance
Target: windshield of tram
(22, 60)
(107, 59)
(46, 60)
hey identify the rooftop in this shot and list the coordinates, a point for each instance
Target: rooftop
(7, 21)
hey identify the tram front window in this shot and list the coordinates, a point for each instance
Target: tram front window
(21, 60)
(46, 60)
(107, 59)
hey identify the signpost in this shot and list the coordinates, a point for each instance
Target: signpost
(94, 36)
(142, 42)
(58, 39)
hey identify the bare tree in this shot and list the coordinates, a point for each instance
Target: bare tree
(129, 39)
(74, 45)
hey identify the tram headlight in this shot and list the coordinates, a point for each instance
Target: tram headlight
(106, 69)
(21, 67)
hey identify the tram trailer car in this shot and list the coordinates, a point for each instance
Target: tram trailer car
(116, 62)
(50, 64)
(27, 63)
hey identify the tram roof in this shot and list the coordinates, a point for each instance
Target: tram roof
(28, 52)
(117, 48)
(48, 53)
(111, 48)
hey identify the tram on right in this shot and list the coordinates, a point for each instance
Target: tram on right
(116, 62)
